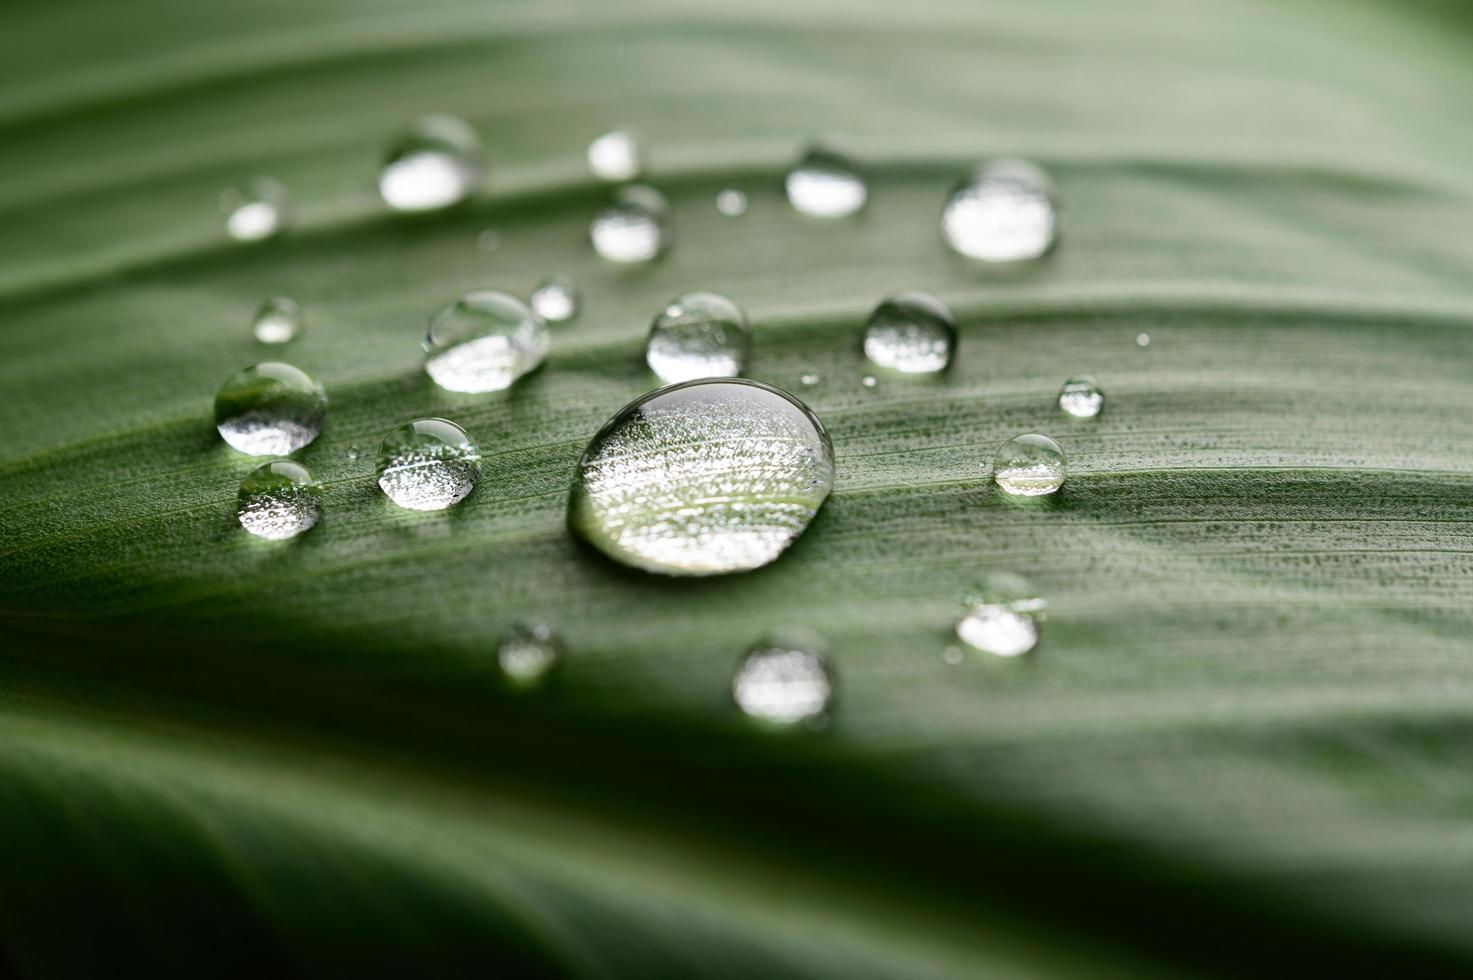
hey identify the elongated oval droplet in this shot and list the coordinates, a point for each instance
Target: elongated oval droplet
(1006, 211)
(278, 321)
(555, 299)
(484, 341)
(698, 335)
(827, 183)
(437, 163)
(1030, 465)
(783, 680)
(270, 409)
(633, 227)
(428, 464)
(1081, 397)
(911, 332)
(702, 478)
(279, 500)
(1003, 616)
(615, 157)
(528, 653)
(257, 210)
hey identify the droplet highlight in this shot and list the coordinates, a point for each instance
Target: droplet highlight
(1006, 211)
(783, 681)
(279, 500)
(528, 653)
(1029, 465)
(633, 227)
(1143, 340)
(615, 157)
(270, 409)
(258, 210)
(278, 321)
(435, 164)
(911, 332)
(484, 341)
(1002, 617)
(555, 299)
(731, 202)
(826, 183)
(698, 335)
(428, 464)
(703, 478)
(1081, 397)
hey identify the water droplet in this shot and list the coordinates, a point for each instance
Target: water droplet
(784, 680)
(703, 478)
(731, 202)
(614, 157)
(1003, 616)
(428, 464)
(952, 655)
(437, 163)
(1006, 211)
(278, 321)
(555, 299)
(279, 500)
(869, 380)
(1029, 465)
(827, 183)
(911, 332)
(484, 341)
(260, 209)
(698, 335)
(528, 653)
(809, 379)
(354, 452)
(488, 240)
(271, 409)
(1142, 340)
(1081, 397)
(633, 227)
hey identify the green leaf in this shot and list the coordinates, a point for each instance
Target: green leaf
(1242, 744)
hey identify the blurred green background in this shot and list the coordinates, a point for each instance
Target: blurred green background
(1241, 748)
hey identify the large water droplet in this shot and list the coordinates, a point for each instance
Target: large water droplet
(1006, 211)
(484, 341)
(428, 464)
(784, 680)
(827, 183)
(279, 500)
(633, 227)
(1030, 465)
(260, 209)
(1003, 616)
(731, 202)
(528, 653)
(271, 409)
(702, 478)
(698, 335)
(437, 163)
(278, 321)
(614, 157)
(911, 332)
(555, 299)
(1081, 397)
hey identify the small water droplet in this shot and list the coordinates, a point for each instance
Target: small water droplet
(484, 341)
(808, 379)
(1081, 397)
(279, 500)
(258, 210)
(869, 381)
(278, 321)
(428, 464)
(1006, 211)
(911, 332)
(633, 227)
(1142, 340)
(952, 655)
(354, 452)
(784, 680)
(437, 163)
(555, 299)
(528, 653)
(270, 409)
(1003, 616)
(703, 478)
(731, 202)
(488, 240)
(827, 183)
(698, 335)
(1030, 465)
(615, 157)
